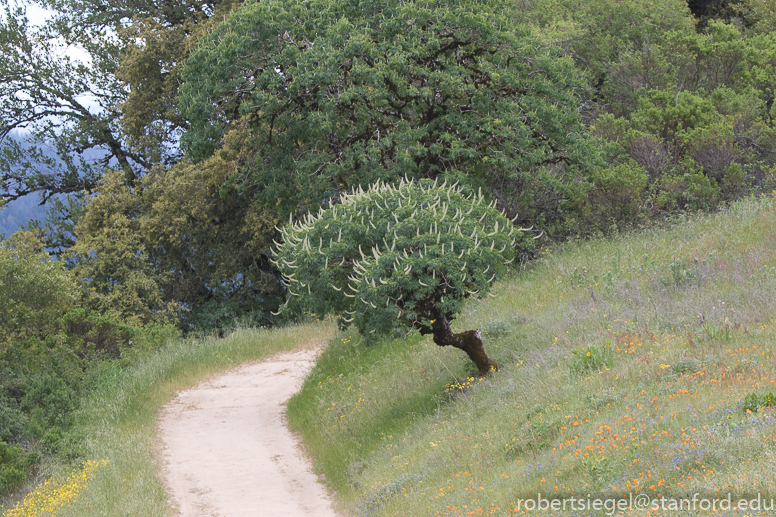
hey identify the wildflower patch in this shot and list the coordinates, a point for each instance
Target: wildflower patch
(55, 494)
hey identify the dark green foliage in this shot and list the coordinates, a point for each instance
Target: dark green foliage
(386, 258)
(696, 104)
(691, 108)
(726, 10)
(616, 198)
(179, 240)
(754, 402)
(49, 352)
(92, 335)
(220, 315)
(591, 359)
(41, 383)
(13, 464)
(353, 93)
(598, 34)
(34, 290)
(694, 151)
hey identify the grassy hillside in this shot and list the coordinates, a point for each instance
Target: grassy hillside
(639, 364)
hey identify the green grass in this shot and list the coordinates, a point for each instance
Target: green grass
(118, 422)
(680, 327)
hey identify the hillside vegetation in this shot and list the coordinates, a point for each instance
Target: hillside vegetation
(172, 141)
(640, 363)
(636, 364)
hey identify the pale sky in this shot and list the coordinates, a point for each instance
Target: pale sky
(36, 14)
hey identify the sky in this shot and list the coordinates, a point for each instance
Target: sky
(36, 14)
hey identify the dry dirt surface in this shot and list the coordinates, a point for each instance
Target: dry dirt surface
(226, 450)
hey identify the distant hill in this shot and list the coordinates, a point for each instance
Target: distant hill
(19, 212)
(22, 210)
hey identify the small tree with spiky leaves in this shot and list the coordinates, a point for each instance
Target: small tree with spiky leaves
(393, 258)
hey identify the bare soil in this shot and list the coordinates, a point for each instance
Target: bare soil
(226, 449)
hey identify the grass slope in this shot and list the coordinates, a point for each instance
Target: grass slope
(626, 367)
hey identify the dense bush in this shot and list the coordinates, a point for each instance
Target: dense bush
(50, 352)
(13, 465)
(41, 383)
(44, 380)
(178, 247)
(34, 289)
(616, 199)
(217, 316)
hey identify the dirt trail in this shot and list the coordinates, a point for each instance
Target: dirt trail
(226, 448)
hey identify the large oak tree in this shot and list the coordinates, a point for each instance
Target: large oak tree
(323, 96)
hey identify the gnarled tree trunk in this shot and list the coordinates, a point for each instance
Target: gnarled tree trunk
(469, 341)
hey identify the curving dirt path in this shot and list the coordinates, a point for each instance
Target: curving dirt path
(226, 448)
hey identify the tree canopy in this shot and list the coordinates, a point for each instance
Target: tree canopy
(327, 95)
(64, 119)
(576, 117)
(53, 101)
(175, 244)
